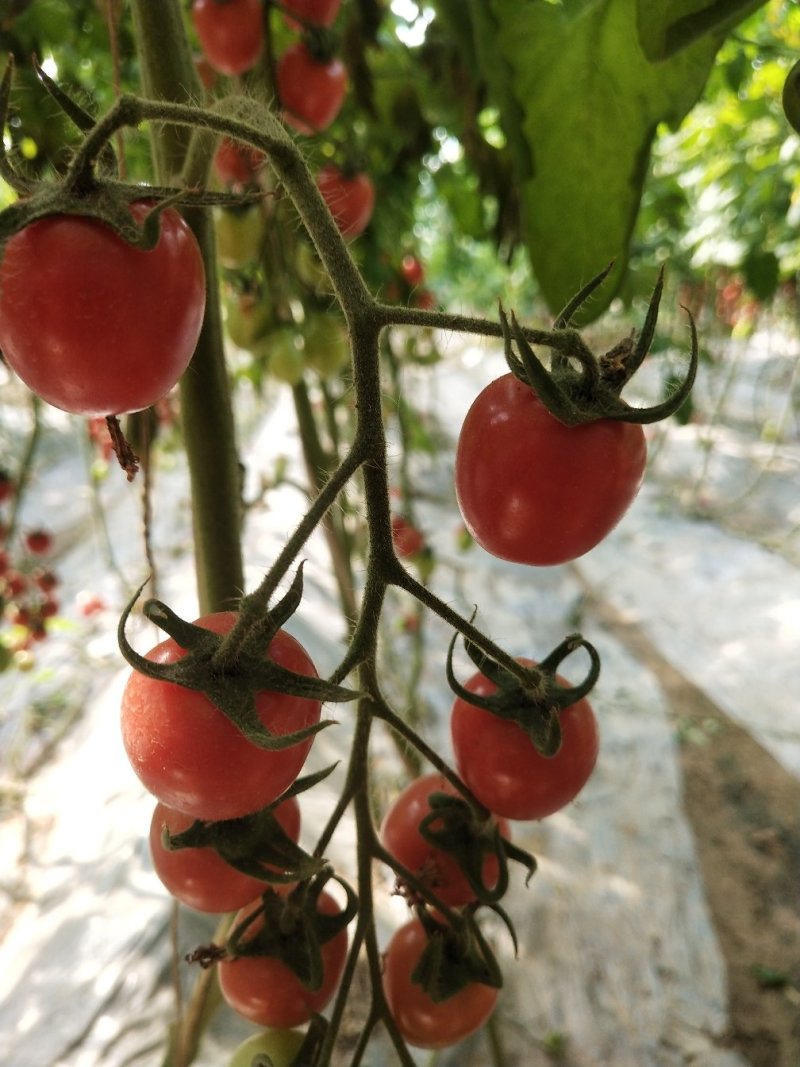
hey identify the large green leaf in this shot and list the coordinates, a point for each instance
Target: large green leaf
(581, 102)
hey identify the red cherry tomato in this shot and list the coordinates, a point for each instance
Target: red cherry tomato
(438, 870)
(412, 270)
(422, 1022)
(310, 91)
(192, 758)
(38, 542)
(406, 538)
(499, 763)
(266, 992)
(200, 877)
(236, 163)
(350, 199)
(312, 12)
(92, 324)
(231, 33)
(534, 491)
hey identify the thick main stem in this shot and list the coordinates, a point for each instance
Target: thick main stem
(207, 416)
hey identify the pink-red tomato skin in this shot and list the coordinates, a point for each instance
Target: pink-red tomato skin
(264, 990)
(350, 199)
(188, 754)
(311, 92)
(422, 1022)
(200, 877)
(532, 490)
(230, 34)
(499, 763)
(93, 325)
(437, 869)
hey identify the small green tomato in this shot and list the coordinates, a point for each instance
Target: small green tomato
(276, 1047)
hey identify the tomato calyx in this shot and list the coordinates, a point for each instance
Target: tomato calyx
(256, 844)
(230, 679)
(534, 697)
(454, 826)
(580, 387)
(456, 955)
(90, 188)
(292, 928)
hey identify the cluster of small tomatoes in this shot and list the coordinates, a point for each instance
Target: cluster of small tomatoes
(311, 84)
(204, 772)
(27, 588)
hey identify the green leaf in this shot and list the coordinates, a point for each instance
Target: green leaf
(581, 102)
(667, 27)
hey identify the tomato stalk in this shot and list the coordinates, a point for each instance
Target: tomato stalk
(168, 73)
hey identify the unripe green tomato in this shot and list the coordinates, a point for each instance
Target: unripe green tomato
(327, 349)
(280, 1045)
(248, 318)
(240, 235)
(310, 270)
(285, 359)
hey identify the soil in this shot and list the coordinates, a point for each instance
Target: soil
(744, 809)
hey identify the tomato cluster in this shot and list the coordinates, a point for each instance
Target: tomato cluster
(28, 587)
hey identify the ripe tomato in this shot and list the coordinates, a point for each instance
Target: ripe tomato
(438, 870)
(280, 1046)
(265, 991)
(406, 538)
(38, 542)
(412, 270)
(312, 12)
(200, 877)
(532, 490)
(310, 91)
(422, 1022)
(191, 757)
(500, 764)
(92, 324)
(235, 163)
(350, 199)
(230, 32)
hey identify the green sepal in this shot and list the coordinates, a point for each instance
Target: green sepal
(455, 957)
(232, 682)
(579, 387)
(293, 929)
(534, 700)
(256, 844)
(453, 826)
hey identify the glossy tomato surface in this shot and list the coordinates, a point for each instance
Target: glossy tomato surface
(93, 325)
(534, 491)
(350, 199)
(265, 991)
(500, 764)
(422, 1022)
(310, 91)
(438, 870)
(230, 32)
(200, 877)
(188, 754)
